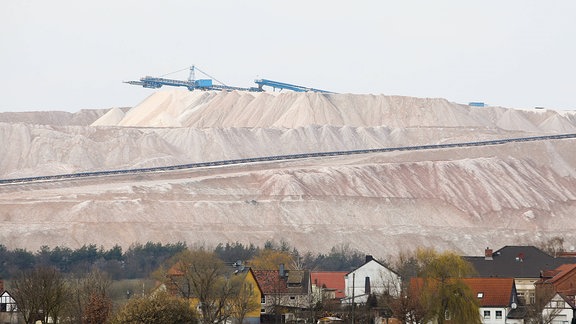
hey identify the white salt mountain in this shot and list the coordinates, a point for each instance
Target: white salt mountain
(460, 198)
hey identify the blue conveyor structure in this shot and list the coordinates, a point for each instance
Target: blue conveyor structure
(287, 86)
(191, 84)
(208, 84)
(202, 84)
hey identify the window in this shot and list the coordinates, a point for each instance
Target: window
(560, 319)
(263, 300)
(480, 295)
(557, 304)
(292, 297)
(7, 307)
(262, 310)
(498, 314)
(447, 315)
(486, 314)
(522, 296)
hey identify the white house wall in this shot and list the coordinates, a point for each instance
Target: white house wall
(563, 311)
(493, 319)
(381, 280)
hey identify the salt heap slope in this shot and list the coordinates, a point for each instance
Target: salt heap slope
(460, 198)
(181, 108)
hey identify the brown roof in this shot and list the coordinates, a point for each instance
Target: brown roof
(270, 281)
(295, 277)
(558, 273)
(175, 270)
(548, 274)
(294, 282)
(561, 279)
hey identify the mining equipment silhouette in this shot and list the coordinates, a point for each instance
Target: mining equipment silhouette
(213, 84)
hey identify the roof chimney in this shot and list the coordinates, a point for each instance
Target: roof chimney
(367, 288)
(282, 271)
(369, 258)
(488, 254)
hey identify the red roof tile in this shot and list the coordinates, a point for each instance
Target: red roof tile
(561, 271)
(495, 292)
(548, 274)
(270, 281)
(331, 280)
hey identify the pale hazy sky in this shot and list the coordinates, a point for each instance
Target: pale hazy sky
(71, 54)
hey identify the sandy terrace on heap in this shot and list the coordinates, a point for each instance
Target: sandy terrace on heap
(459, 198)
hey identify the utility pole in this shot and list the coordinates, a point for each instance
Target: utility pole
(353, 305)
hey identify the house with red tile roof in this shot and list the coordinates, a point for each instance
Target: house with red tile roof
(497, 298)
(332, 283)
(328, 285)
(284, 292)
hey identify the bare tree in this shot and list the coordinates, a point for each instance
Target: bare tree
(553, 246)
(41, 294)
(200, 274)
(407, 307)
(89, 297)
(245, 301)
(544, 309)
(97, 309)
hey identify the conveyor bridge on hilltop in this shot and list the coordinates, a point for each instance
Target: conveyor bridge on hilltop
(212, 84)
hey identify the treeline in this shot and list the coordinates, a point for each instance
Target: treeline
(137, 262)
(140, 260)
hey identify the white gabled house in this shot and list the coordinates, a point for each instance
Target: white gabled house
(7, 303)
(8, 309)
(498, 300)
(370, 278)
(560, 309)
